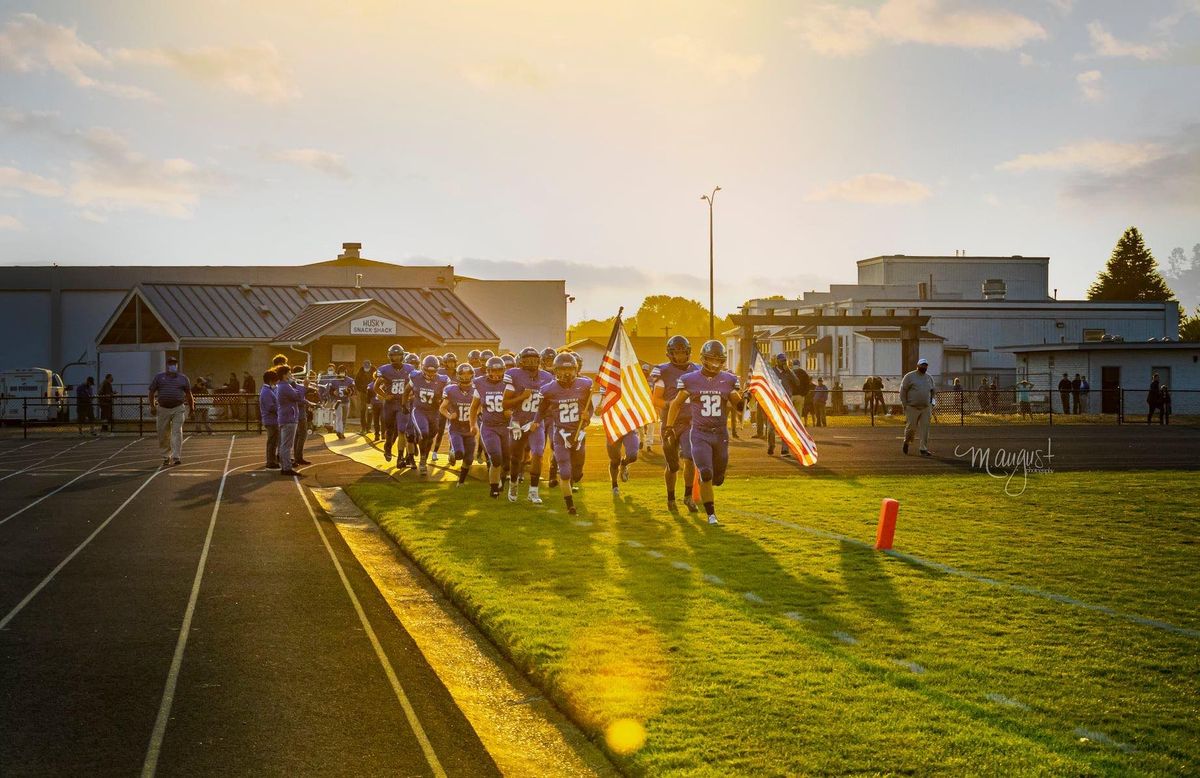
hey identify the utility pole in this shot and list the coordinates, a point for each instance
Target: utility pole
(709, 198)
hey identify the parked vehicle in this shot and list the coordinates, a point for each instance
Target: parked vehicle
(40, 389)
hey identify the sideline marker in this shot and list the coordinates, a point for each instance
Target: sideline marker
(888, 510)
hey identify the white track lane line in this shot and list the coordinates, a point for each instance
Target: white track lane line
(150, 765)
(50, 576)
(47, 459)
(409, 712)
(94, 468)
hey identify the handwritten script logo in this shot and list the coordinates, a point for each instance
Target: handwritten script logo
(1006, 463)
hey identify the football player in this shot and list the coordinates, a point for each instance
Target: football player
(712, 392)
(548, 354)
(490, 418)
(664, 380)
(446, 372)
(456, 408)
(475, 360)
(391, 383)
(425, 387)
(341, 389)
(567, 400)
(524, 398)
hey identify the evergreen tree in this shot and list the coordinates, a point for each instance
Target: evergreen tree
(1131, 274)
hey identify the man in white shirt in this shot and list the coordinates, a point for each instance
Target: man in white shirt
(917, 397)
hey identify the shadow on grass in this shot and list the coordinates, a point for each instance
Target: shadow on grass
(870, 585)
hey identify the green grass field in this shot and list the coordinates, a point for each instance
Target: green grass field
(764, 647)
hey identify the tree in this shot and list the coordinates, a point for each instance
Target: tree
(1183, 275)
(1131, 274)
(679, 315)
(1177, 263)
(1189, 328)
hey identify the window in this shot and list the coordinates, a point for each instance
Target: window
(1093, 335)
(843, 349)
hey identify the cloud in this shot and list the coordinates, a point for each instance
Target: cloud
(10, 223)
(14, 180)
(1163, 172)
(256, 71)
(1105, 44)
(28, 44)
(838, 30)
(991, 200)
(721, 66)
(1025, 60)
(1095, 156)
(1064, 7)
(1090, 86)
(510, 71)
(878, 188)
(314, 159)
(92, 216)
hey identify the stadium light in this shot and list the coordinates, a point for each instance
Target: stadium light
(709, 198)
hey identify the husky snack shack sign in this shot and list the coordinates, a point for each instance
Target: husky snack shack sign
(372, 325)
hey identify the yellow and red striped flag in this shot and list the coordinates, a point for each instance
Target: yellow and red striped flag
(626, 404)
(774, 401)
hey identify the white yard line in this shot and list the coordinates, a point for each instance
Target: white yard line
(150, 765)
(430, 756)
(47, 459)
(68, 483)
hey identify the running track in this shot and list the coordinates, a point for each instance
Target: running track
(292, 663)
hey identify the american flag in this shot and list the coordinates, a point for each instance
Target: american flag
(772, 400)
(626, 404)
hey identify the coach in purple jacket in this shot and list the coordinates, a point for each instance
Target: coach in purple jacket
(290, 405)
(268, 412)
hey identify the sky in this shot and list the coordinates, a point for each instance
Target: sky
(524, 139)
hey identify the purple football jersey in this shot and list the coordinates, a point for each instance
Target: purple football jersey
(563, 405)
(522, 379)
(395, 379)
(426, 392)
(460, 406)
(491, 395)
(709, 397)
(669, 373)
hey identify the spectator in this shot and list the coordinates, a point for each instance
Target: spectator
(994, 396)
(837, 397)
(1164, 405)
(106, 403)
(820, 397)
(917, 396)
(1154, 400)
(981, 397)
(804, 381)
(170, 400)
(791, 387)
(1076, 388)
(1084, 388)
(868, 391)
(364, 381)
(290, 406)
(203, 405)
(880, 404)
(85, 393)
(248, 391)
(957, 388)
(268, 413)
(342, 389)
(376, 417)
(1023, 388)
(1064, 391)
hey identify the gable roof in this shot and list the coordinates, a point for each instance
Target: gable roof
(233, 312)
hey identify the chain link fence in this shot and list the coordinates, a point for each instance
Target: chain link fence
(128, 414)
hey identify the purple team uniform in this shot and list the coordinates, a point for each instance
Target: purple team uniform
(462, 442)
(563, 406)
(527, 411)
(426, 399)
(709, 433)
(493, 427)
(670, 373)
(395, 420)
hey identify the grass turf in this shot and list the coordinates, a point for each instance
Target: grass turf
(759, 647)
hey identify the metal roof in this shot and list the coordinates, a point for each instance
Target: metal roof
(894, 335)
(231, 311)
(316, 317)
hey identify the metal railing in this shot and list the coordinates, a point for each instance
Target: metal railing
(1003, 406)
(128, 414)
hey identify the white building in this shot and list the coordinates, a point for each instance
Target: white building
(976, 305)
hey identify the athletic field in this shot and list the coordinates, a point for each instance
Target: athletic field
(1052, 632)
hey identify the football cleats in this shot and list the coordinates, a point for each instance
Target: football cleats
(529, 359)
(712, 357)
(565, 368)
(430, 365)
(495, 369)
(465, 374)
(679, 350)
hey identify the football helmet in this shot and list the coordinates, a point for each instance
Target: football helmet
(412, 359)
(565, 368)
(530, 359)
(465, 374)
(679, 350)
(486, 354)
(495, 369)
(450, 360)
(475, 358)
(509, 360)
(396, 354)
(548, 355)
(712, 357)
(430, 365)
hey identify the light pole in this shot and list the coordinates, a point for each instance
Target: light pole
(709, 198)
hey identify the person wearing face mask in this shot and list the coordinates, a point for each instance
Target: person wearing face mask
(170, 401)
(917, 396)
